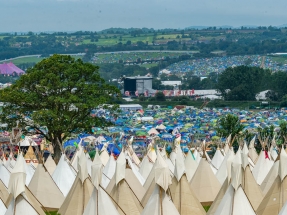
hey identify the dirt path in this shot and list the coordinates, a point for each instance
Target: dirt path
(262, 62)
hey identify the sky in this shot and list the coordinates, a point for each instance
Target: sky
(95, 15)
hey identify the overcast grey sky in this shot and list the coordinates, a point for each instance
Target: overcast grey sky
(94, 15)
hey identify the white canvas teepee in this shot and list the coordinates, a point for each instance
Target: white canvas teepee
(221, 174)
(145, 167)
(182, 196)
(50, 165)
(276, 196)
(204, 183)
(234, 201)
(104, 155)
(22, 202)
(159, 202)
(270, 178)
(109, 171)
(64, 176)
(252, 152)
(45, 189)
(217, 159)
(190, 165)
(81, 191)
(125, 189)
(3, 208)
(4, 174)
(262, 167)
(100, 203)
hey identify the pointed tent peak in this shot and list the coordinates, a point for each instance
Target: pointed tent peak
(30, 154)
(20, 165)
(97, 171)
(18, 177)
(282, 164)
(97, 157)
(244, 158)
(251, 144)
(162, 173)
(179, 165)
(245, 148)
(50, 164)
(120, 167)
(82, 167)
(236, 170)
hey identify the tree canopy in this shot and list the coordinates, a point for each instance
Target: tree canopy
(60, 93)
(242, 82)
(229, 125)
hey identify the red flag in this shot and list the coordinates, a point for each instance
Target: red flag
(137, 93)
(266, 154)
(192, 91)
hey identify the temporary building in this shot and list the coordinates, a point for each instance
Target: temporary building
(64, 175)
(80, 192)
(10, 69)
(45, 189)
(125, 188)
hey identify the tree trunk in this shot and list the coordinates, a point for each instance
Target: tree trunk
(57, 150)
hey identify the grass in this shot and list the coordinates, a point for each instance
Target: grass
(25, 60)
(211, 104)
(206, 208)
(29, 60)
(148, 65)
(52, 213)
(279, 59)
(133, 56)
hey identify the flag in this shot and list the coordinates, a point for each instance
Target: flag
(192, 91)
(146, 93)
(127, 93)
(179, 93)
(137, 93)
(76, 144)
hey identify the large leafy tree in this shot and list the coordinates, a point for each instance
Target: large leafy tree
(59, 93)
(229, 125)
(242, 82)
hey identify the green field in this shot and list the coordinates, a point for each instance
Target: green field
(133, 56)
(148, 65)
(28, 60)
(25, 60)
(279, 59)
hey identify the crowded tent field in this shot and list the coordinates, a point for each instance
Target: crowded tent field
(180, 161)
